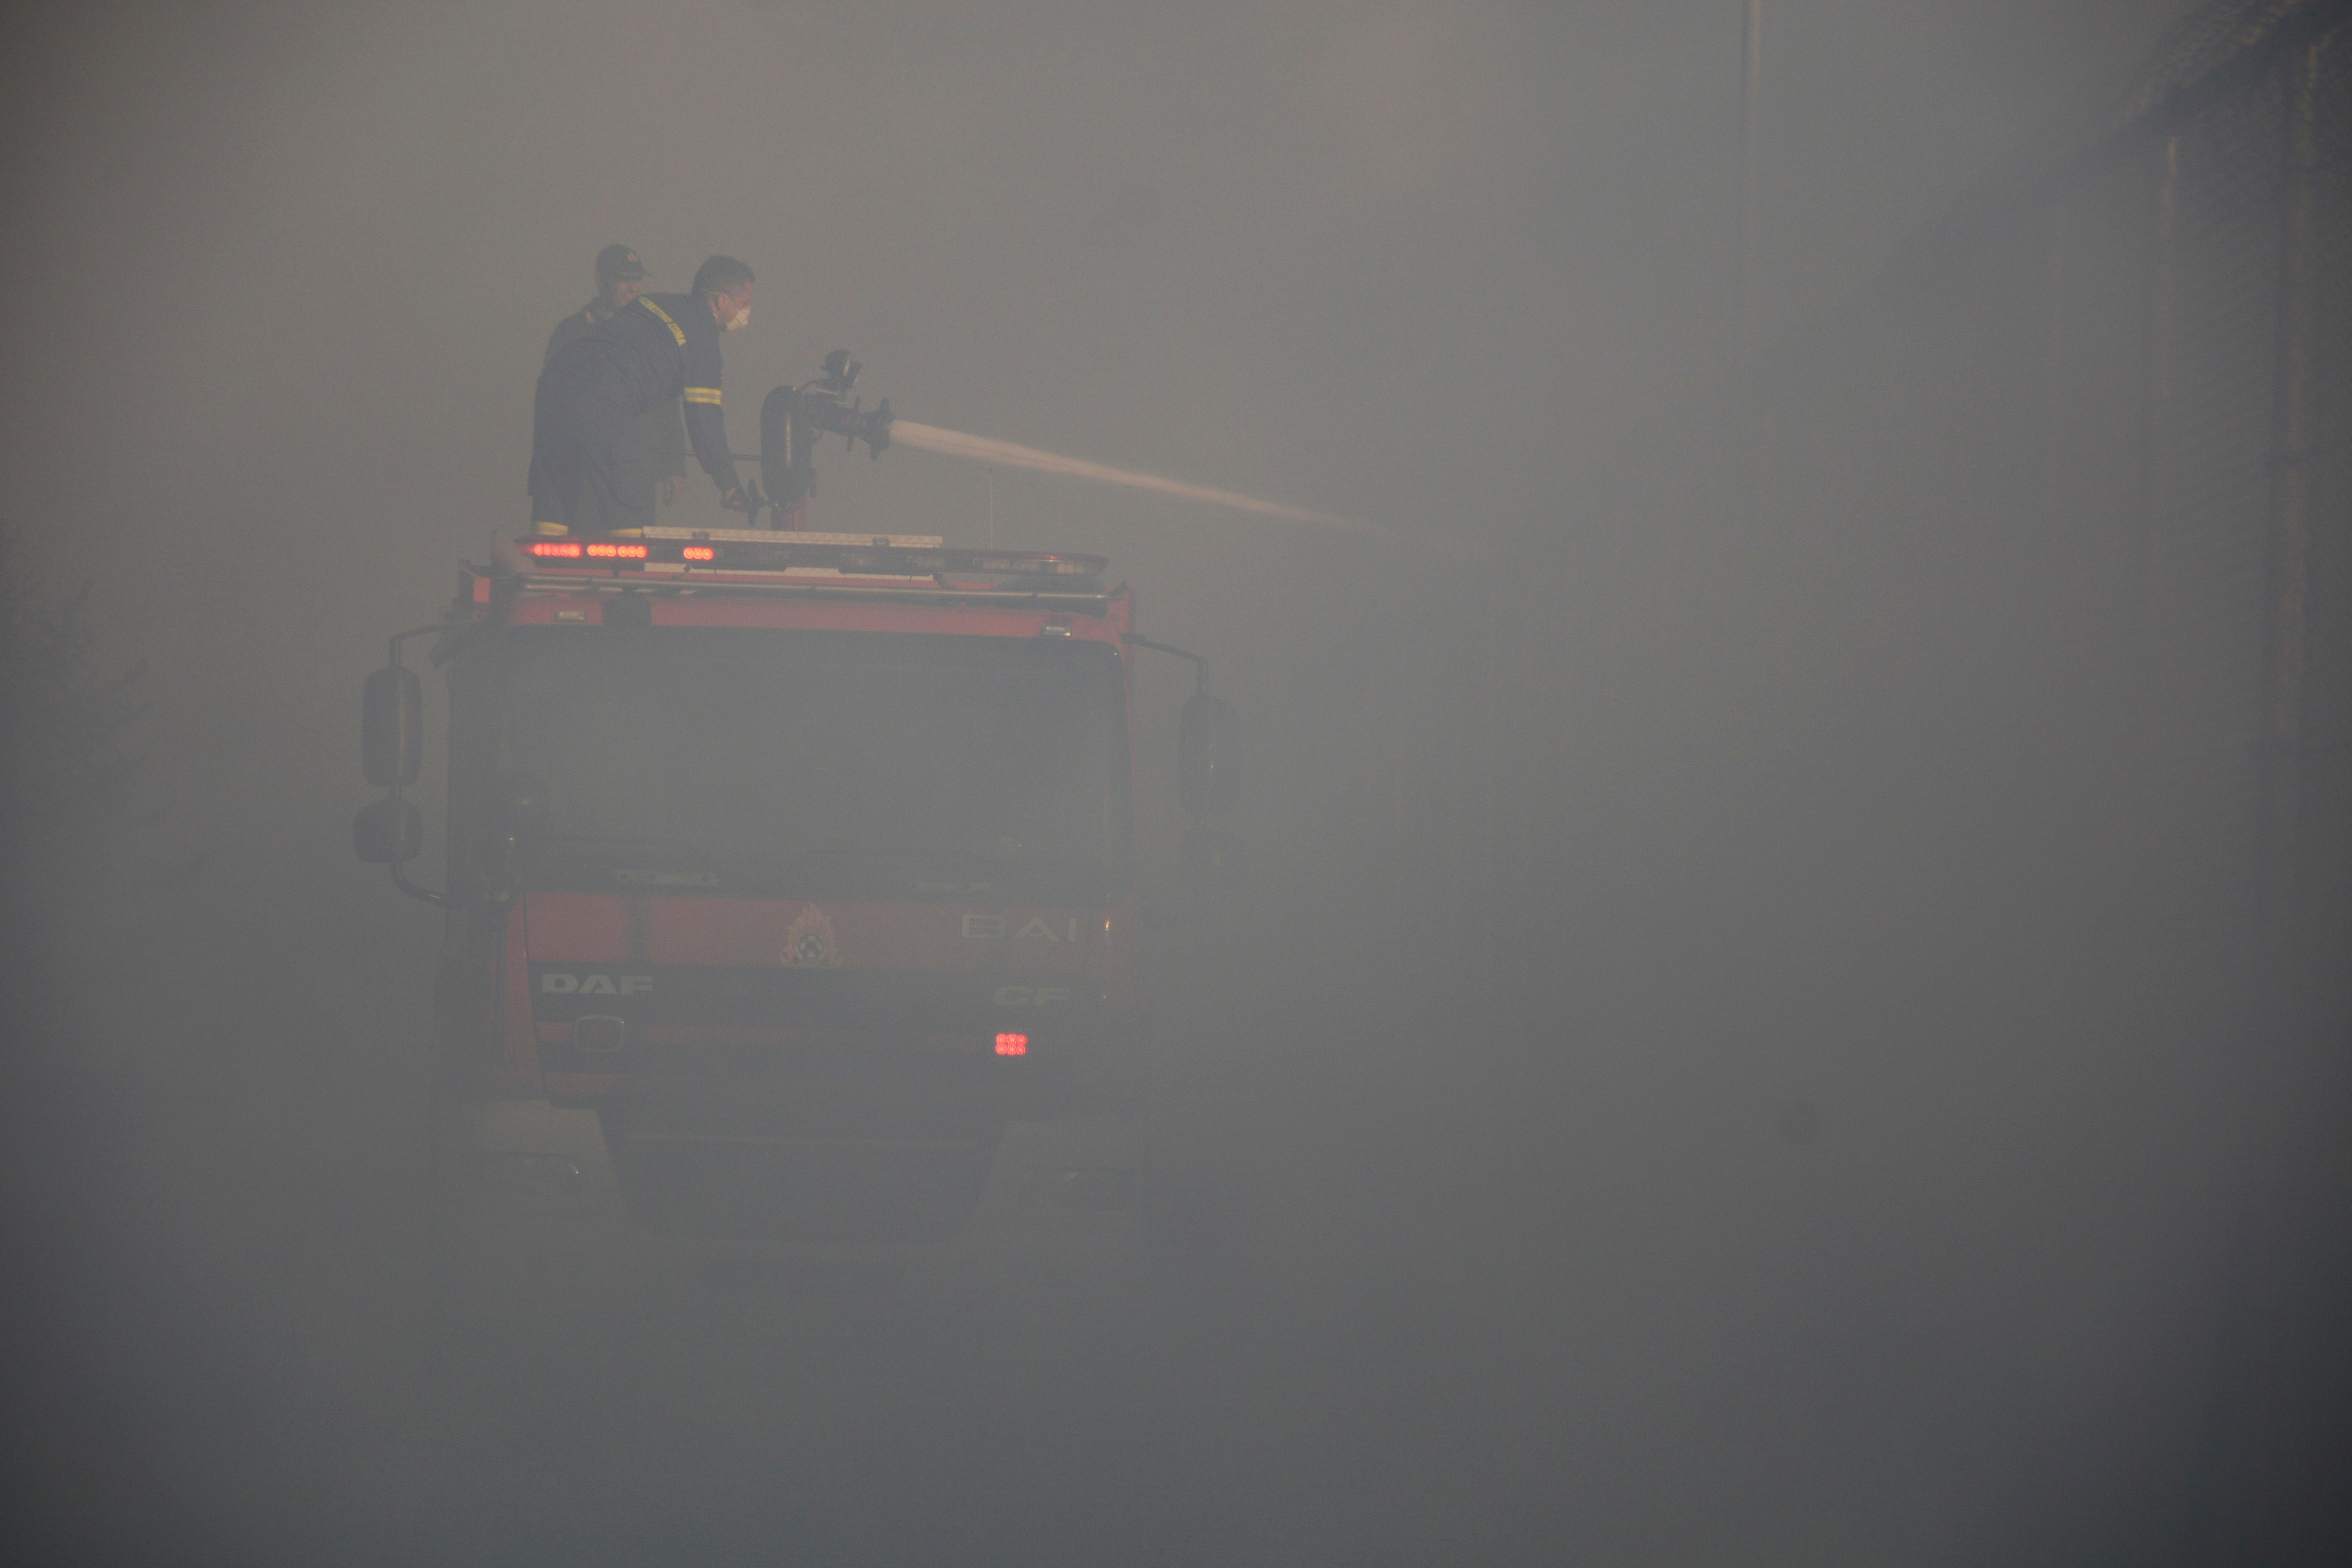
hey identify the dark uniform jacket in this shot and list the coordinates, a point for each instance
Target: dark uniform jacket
(652, 352)
(658, 437)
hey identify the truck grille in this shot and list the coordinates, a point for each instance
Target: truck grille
(916, 1182)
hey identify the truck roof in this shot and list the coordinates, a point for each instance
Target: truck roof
(754, 576)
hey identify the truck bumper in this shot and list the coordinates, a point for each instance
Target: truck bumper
(536, 1214)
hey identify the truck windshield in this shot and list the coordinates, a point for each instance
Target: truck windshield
(973, 757)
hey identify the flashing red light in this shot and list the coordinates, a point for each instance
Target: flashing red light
(563, 548)
(699, 552)
(617, 552)
(1012, 1045)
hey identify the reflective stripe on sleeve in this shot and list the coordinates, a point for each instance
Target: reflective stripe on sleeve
(701, 394)
(675, 330)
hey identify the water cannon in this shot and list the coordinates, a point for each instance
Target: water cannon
(794, 419)
(828, 415)
(871, 426)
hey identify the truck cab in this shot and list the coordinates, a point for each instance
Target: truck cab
(789, 894)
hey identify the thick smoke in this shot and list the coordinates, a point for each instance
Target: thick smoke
(1685, 1081)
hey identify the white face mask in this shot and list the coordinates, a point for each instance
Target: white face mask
(739, 319)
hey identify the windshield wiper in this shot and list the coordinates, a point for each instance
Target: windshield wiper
(1012, 853)
(627, 838)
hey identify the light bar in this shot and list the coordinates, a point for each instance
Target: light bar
(902, 560)
(1027, 566)
(1012, 1045)
(793, 536)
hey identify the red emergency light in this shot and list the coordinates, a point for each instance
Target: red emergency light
(560, 549)
(604, 551)
(699, 552)
(1012, 1045)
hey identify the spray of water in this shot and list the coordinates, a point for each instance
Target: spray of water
(1005, 454)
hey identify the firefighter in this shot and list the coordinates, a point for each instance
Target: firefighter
(658, 438)
(595, 388)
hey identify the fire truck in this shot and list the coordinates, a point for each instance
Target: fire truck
(789, 895)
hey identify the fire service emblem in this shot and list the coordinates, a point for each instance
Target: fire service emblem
(808, 941)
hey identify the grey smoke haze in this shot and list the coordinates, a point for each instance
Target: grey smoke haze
(1742, 1248)
(1413, 264)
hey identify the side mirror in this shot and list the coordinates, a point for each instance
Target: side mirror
(1208, 749)
(388, 832)
(391, 727)
(1211, 861)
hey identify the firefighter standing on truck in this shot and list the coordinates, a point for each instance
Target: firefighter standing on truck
(597, 387)
(658, 439)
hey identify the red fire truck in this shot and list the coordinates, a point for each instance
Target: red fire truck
(790, 896)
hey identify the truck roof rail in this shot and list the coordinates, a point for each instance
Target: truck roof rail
(758, 560)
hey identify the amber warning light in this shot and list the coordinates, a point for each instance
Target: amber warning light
(1012, 1045)
(572, 550)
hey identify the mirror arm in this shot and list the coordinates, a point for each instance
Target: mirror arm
(399, 880)
(392, 655)
(414, 891)
(1200, 662)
